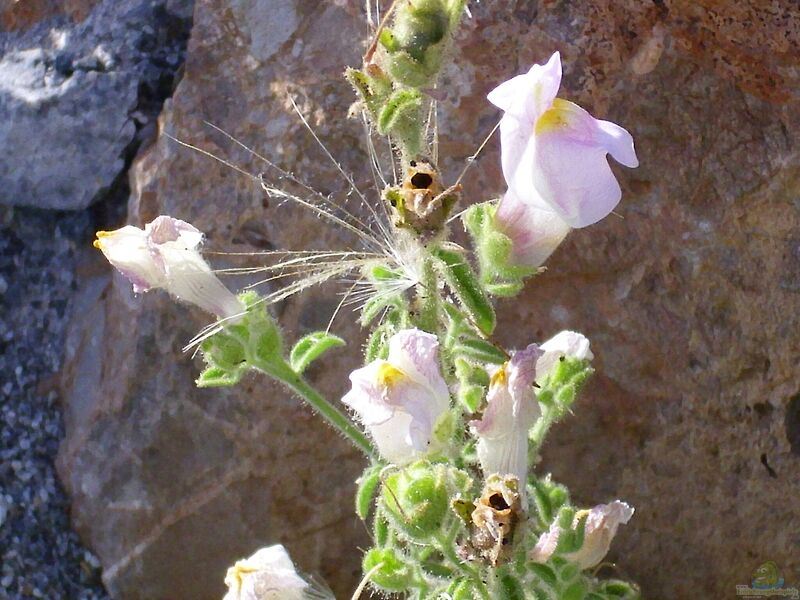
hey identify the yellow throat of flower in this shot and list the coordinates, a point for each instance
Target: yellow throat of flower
(500, 376)
(554, 118)
(235, 573)
(389, 375)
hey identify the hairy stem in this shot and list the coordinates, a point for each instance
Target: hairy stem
(335, 418)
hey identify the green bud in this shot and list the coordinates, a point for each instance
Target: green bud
(575, 591)
(394, 574)
(401, 117)
(417, 499)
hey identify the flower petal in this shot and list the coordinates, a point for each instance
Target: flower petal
(602, 523)
(267, 575)
(570, 169)
(527, 96)
(416, 353)
(535, 232)
(128, 251)
(566, 343)
(512, 409)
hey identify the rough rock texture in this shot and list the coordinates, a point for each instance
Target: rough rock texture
(691, 299)
(80, 85)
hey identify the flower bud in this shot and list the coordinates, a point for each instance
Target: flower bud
(393, 575)
(417, 499)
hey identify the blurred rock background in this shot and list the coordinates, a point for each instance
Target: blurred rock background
(691, 298)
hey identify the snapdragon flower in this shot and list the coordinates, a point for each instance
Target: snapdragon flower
(165, 255)
(267, 575)
(554, 152)
(402, 400)
(566, 344)
(602, 523)
(512, 409)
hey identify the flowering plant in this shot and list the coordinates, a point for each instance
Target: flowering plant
(451, 422)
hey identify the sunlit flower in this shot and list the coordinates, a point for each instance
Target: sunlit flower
(554, 152)
(267, 575)
(535, 232)
(567, 344)
(601, 526)
(165, 255)
(512, 408)
(403, 399)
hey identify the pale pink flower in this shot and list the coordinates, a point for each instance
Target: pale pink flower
(554, 152)
(401, 400)
(601, 526)
(566, 344)
(267, 575)
(165, 255)
(512, 409)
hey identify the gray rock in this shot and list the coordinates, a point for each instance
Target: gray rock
(68, 92)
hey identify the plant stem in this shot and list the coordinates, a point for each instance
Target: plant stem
(335, 418)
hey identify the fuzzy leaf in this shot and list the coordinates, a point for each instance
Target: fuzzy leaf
(480, 350)
(464, 284)
(310, 348)
(218, 377)
(367, 484)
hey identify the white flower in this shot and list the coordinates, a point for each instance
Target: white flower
(570, 344)
(165, 255)
(535, 232)
(402, 399)
(602, 523)
(267, 575)
(554, 152)
(512, 410)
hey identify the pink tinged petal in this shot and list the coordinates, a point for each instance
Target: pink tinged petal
(512, 410)
(190, 278)
(267, 575)
(416, 353)
(527, 96)
(367, 397)
(535, 232)
(127, 250)
(570, 344)
(167, 229)
(546, 545)
(570, 169)
(601, 527)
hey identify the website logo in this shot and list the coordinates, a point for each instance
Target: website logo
(767, 581)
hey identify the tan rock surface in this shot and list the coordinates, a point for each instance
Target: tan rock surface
(691, 299)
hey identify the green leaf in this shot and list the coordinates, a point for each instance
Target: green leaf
(367, 484)
(218, 377)
(310, 348)
(480, 350)
(464, 284)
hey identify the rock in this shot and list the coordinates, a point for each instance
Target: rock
(691, 299)
(72, 75)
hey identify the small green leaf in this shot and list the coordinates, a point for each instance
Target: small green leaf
(217, 377)
(464, 284)
(480, 350)
(311, 347)
(367, 484)
(545, 573)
